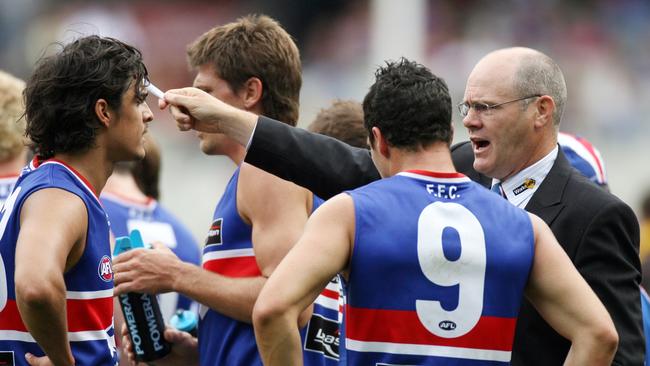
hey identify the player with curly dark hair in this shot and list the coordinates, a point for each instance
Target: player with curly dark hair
(410, 86)
(62, 92)
(85, 111)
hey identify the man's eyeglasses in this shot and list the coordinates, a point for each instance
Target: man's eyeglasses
(464, 107)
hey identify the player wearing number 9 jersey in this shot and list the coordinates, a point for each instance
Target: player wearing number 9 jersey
(435, 266)
(454, 282)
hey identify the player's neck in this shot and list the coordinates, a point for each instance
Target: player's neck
(434, 158)
(92, 165)
(125, 186)
(237, 154)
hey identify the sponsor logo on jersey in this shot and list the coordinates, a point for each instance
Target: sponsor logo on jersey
(105, 269)
(214, 234)
(529, 183)
(323, 336)
(7, 358)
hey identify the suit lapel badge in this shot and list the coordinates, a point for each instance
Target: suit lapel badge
(529, 183)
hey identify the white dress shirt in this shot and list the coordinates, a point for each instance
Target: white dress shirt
(519, 188)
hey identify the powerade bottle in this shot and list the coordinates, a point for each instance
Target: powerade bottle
(142, 312)
(186, 321)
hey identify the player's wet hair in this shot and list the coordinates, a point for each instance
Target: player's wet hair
(409, 104)
(61, 93)
(255, 46)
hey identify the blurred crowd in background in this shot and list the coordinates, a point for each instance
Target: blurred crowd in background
(602, 46)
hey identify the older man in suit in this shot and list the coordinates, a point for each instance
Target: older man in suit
(512, 109)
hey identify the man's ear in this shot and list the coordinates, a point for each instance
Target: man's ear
(251, 92)
(382, 143)
(103, 112)
(545, 107)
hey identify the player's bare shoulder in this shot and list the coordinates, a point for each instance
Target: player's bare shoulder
(42, 212)
(258, 188)
(45, 202)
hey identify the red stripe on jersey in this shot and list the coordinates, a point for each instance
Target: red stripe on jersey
(234, 266)
(92, 314)
(10, 317)
(83, 315)
(331, 294)
(401, 326)
(436, 174)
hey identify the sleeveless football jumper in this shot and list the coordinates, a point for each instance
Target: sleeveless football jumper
(89, 284)
(437, 272)
(229, 252)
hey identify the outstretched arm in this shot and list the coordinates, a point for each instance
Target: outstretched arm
(323, 250)
(319, 163)
(194, 109)
(567, 303)
(52, 246)
(324, 165)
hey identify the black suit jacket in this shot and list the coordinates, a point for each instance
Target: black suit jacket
(599, 232)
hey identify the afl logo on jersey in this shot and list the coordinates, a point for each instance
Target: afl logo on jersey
(105, 270)
(447, 325)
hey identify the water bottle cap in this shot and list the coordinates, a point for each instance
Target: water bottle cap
(125, 243)
(184, 320)
(122, 244)
(136, 239)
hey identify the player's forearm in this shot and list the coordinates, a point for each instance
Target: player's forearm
(233, 297)
(594, 339)
(42, 308)
(593, 349)
(278, 339)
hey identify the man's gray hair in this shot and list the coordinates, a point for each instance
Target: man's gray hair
(539, 74)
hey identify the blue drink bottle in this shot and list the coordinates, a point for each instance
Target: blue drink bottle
(186, 321)
(142, 312)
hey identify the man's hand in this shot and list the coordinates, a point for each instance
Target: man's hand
(39, 361)
(146, 270)
(193, 108)
(185, 348)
